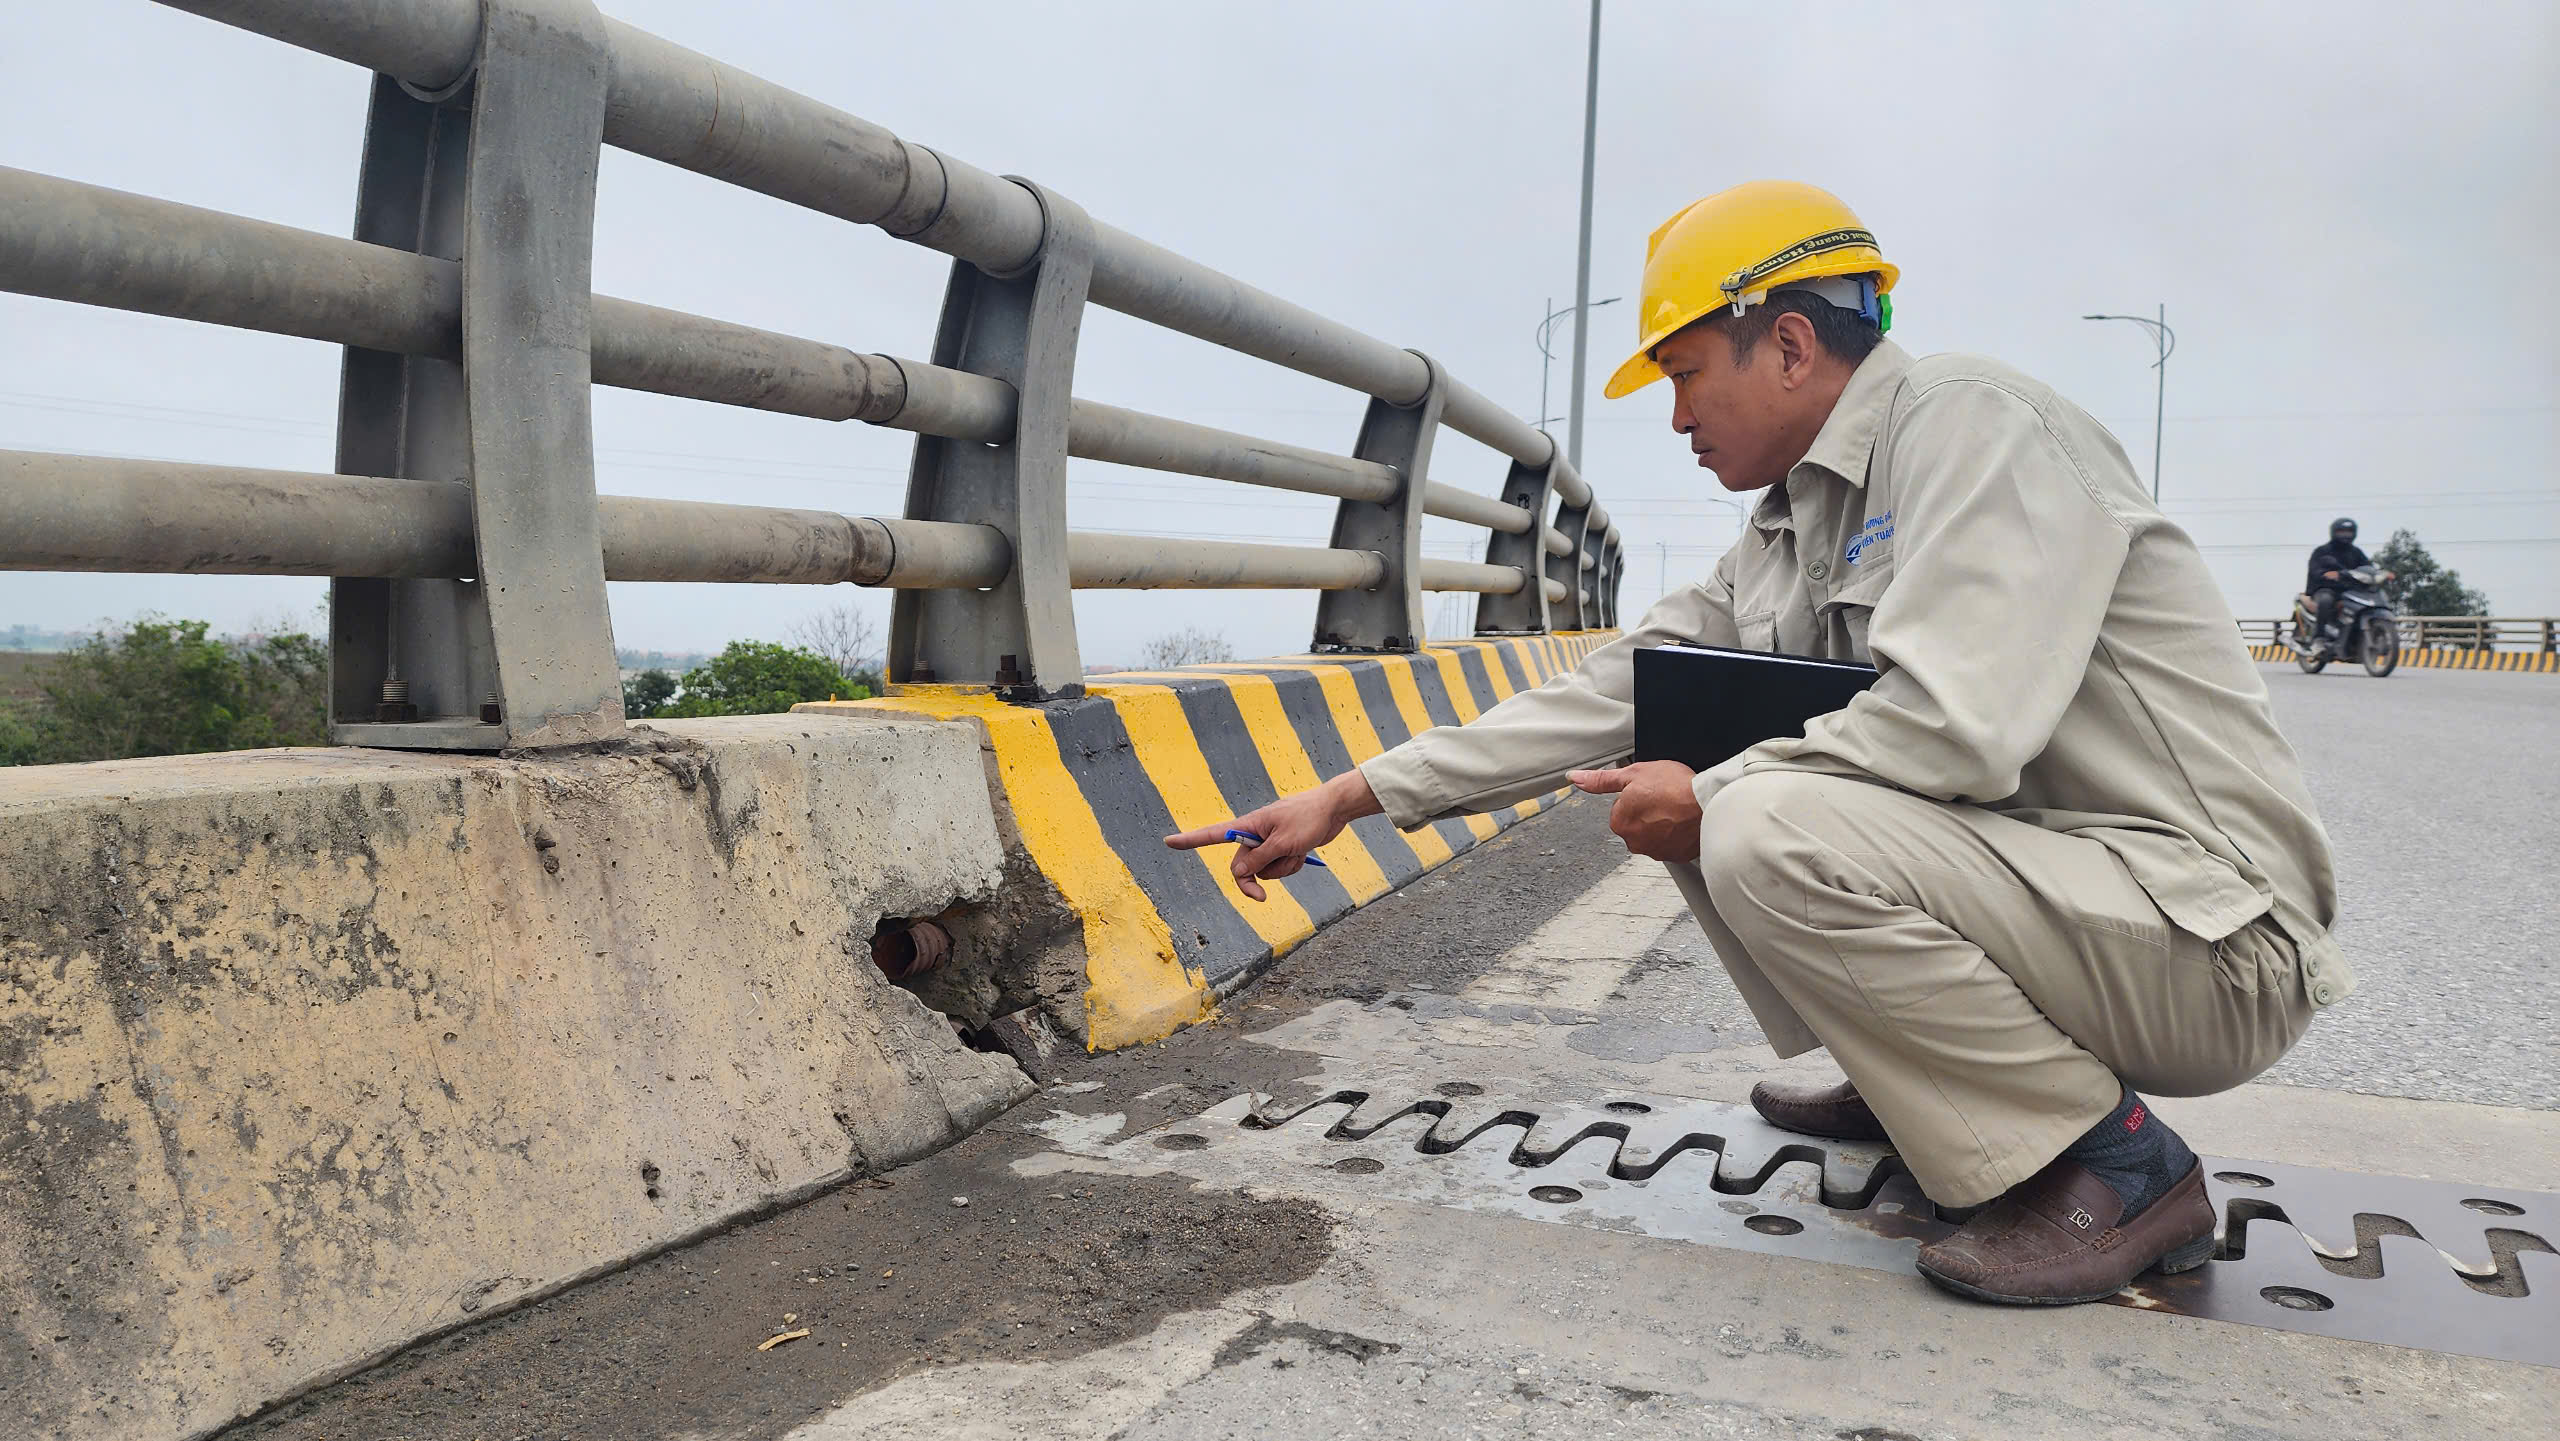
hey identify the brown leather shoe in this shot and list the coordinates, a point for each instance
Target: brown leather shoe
(1834, 1112)
(2057, 1240)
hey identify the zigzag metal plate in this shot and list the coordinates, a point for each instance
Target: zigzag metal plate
(2441, 1267)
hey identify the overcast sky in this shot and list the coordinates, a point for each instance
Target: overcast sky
(2348, 210)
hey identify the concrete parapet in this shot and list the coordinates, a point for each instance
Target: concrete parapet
(307, 1054)
(1091, 787)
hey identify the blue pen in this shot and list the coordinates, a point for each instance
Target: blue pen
(1250, 839)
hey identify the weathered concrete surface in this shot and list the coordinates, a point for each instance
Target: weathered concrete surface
(307, 1054)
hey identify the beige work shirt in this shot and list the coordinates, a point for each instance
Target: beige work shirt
(2051, 647)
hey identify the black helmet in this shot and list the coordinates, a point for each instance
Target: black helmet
(2346, 523)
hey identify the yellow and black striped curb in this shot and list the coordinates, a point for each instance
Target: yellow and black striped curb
(1096, 784)
(2445, 658)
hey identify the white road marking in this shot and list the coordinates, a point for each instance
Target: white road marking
(1578, 957)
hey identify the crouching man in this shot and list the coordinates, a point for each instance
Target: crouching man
(2056, 856)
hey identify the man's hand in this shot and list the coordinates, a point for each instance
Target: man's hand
(1656, 812)
(1290, 827)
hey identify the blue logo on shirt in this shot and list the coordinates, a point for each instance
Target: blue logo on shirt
(1877, 530)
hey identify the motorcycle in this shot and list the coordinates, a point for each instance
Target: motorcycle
(2365, 630)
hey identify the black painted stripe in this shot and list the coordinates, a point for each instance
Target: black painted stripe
(1369, 678)
(1435, 695)
(1207, 932)
(1235, 762)
(1302, 701)
(1509, 650)
(1480, 680)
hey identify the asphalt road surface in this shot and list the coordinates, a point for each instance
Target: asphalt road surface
(1108, 1278)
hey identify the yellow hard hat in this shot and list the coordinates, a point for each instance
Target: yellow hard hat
(1733, 248)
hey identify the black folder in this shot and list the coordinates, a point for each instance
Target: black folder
(1701, 705)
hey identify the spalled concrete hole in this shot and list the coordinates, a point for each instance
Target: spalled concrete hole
(649, 1179)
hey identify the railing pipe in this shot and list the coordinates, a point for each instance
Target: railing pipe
(1471, 575)
(429, 43)
(1451, 503)
(95, 513)
(1104, 561)
(64, 240)
(688, 110)
(1129, 437)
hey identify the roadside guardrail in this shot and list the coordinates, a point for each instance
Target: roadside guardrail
(466, 545)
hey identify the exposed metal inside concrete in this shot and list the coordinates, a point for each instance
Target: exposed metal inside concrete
(2438, 1266)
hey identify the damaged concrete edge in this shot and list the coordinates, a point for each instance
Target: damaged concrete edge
(1071, 925)
(315, 1054)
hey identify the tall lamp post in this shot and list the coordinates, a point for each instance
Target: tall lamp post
(1546, 333)
(2166, 340)
(1582, 261)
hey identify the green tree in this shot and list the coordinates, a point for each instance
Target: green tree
(2422, 584)
(20, 744)
(163, 687)
(754, 677)
(647, 693)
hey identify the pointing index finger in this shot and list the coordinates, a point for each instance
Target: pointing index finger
(1215, 835)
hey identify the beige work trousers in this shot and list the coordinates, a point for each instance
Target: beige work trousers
(1988, 985)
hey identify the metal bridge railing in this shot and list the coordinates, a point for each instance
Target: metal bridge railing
(2443, 632)
(466, 544)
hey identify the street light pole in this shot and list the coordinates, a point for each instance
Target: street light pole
(1546, 332)
(1582, 263)
(2165, 340)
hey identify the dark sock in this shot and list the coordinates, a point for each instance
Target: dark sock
(2134, 1153)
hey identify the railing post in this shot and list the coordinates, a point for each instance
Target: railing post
(1524, 611)
(1613, 566)
(497, 171)
(1566, 569)
(1391, 617)
(1021, 328)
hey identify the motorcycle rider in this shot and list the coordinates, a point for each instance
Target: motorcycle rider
(2329, 567)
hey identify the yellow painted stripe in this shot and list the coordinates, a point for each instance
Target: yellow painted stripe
(1417, 719)
(1170, 752)
(1257, 698)
(1136, 987)
(1453, 678)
